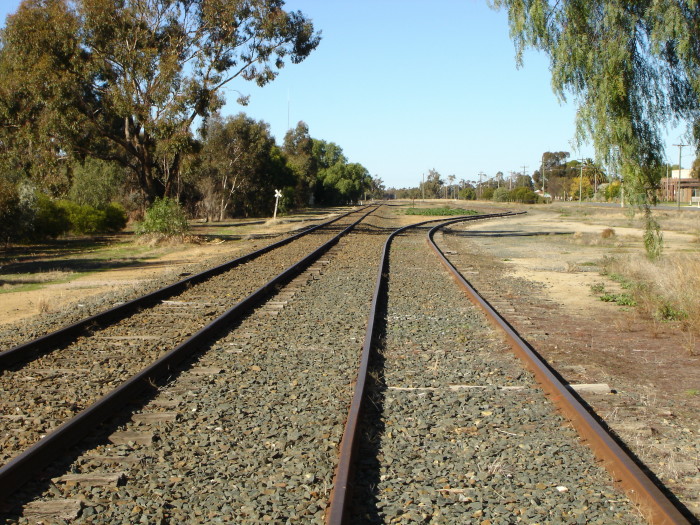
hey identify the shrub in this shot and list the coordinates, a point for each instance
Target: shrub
(50, 220)
(524, 195)
(166, 217)
(612, 190)
(467, 194)
(501, 195)
(487, 194)
(85, 219)
(115, 217)
(96, 183)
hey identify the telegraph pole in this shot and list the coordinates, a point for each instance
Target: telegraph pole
(678, 195)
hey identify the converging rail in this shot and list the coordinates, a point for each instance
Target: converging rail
(654, 505)
(25, 466)
(342, 485)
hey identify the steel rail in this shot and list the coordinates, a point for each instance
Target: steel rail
(61, 337)
(24, 466)
(658, 508)
(343, 479)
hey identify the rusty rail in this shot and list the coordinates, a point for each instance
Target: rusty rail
(625, 472)
(342, 482)
(62, 336)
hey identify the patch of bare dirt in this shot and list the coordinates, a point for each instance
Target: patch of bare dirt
(537, 270)
(211, 241)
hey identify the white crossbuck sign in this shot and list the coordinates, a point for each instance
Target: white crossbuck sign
(278, 194)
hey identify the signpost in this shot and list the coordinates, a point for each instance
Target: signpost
(278, 194)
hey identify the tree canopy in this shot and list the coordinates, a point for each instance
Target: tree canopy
(125, 80)
(633, 67)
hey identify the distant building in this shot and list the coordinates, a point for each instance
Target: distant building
(686, 185)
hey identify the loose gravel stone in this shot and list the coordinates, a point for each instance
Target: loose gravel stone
(459, 433)
(256, 440)
(40, 395)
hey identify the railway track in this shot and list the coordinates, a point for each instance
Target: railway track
(250, 431)
(449, 428)
(42, 395)
(191, 286)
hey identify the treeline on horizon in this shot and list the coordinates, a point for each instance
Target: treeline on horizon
(557, 179)
(233, 171)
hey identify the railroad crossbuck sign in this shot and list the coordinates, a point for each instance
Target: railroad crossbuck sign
(278, 194)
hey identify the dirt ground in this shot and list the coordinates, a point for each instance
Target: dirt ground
(537, 269)
(58, 284)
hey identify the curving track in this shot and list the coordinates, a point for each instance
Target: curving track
(451, 429)
(250, 431)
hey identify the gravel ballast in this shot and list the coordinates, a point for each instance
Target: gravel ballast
(257, 418)
(459, 432)
(39, 396)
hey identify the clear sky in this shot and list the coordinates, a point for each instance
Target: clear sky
(404, 86)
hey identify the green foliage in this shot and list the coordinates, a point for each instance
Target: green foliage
(667, 312)
(439, 212)
(501, 195)
(524, 195)
(633, 68)
(165, 217)
(298, 147)
(621, 299)
(487, 193)
(467, 194)
(9, 209)
(653, 240)
(126, 80)
(342, 183)
(51, 219)
(612, 190)
(96, 183)
(240, 168)
(115, 217)
(87, 220)
(598, 288)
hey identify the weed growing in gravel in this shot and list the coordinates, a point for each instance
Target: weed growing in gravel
(621, 299)
(598, 288)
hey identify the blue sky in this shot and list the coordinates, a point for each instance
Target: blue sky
(404, 86)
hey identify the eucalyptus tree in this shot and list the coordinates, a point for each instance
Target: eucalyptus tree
(298, 146)
(633, 68)
(125, 80)
(240, 167)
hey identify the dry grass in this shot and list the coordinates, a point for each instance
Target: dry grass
(667, 289)
(43, 305)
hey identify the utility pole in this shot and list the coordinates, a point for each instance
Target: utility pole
(423, 187)
(481, 190)
(542, 174)
(678, 196)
